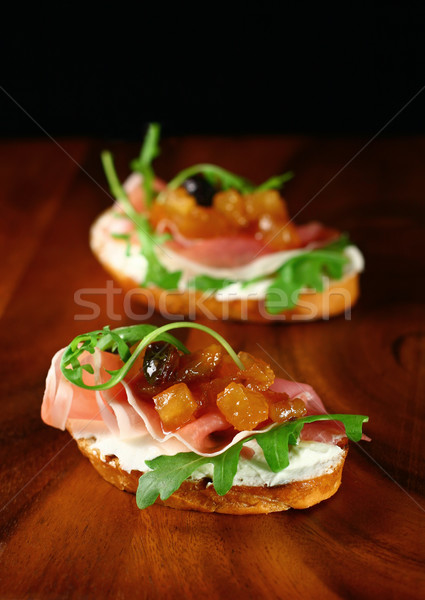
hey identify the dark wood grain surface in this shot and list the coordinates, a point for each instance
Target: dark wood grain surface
(66, 533)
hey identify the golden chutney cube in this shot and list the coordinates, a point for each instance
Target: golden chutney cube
(243, 408)
(175, 406)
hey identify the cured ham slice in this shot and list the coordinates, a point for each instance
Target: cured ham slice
(136, 194)
(327, 432)
(65, 403)
(222, 252)
(125, 414)
(240, 250)
(316, 233)
(62, 400)
(294, 389)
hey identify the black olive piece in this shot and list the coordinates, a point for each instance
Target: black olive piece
(160, 362)
(198, 187)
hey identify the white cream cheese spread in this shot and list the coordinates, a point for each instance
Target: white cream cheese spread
(307, 460)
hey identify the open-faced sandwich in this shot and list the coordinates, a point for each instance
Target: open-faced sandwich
(212, 243)
(209, 430)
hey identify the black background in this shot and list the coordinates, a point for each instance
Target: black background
(335, 72)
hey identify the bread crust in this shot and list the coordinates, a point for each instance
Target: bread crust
(201, 496)
(337, 299)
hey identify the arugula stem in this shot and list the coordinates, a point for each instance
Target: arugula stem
(143, 164)
(150, 149)
(69, 359)
(275, 182)
(115, 186)
(231, 179)
(169, 326)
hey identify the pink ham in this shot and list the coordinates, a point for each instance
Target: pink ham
(300, 390)
(222, 252)
(62, 400)
(135, 191)
(118, 410)
(239, 250)
(123, 413)
(328, 432)
(316, 233)
(196, 436)
(199, 433)
(67, 404)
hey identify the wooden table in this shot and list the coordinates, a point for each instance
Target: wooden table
(65, 533)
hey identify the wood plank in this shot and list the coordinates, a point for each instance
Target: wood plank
(34, 176)
(66, 533)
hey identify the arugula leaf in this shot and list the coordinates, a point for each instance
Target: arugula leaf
(168, 472)
(275, 445)
(352, 423)
(275, 182)
(119, 339)
(225, 467)
(304, 270)
(340, 244)
(125, 237)
(248, 282)
(215, 175)
(156, 274)
(159, 276)
(172, 470)
(207, 283)
(143, 164)
(116, 188)
(120, 236)
(133, 334)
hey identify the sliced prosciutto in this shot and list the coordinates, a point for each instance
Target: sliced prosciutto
(125, 414)
(240, 250)
(316, 233)
(222, 252)
(88, 411)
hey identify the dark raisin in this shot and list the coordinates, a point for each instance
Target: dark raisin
(160, 362)
(198, 187)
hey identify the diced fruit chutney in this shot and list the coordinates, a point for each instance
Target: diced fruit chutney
(282, 408)
(185, 386)
(232, 205)
(258, 375)
(200, 364)
(205, 213)
(176, 406)
(243, 408)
